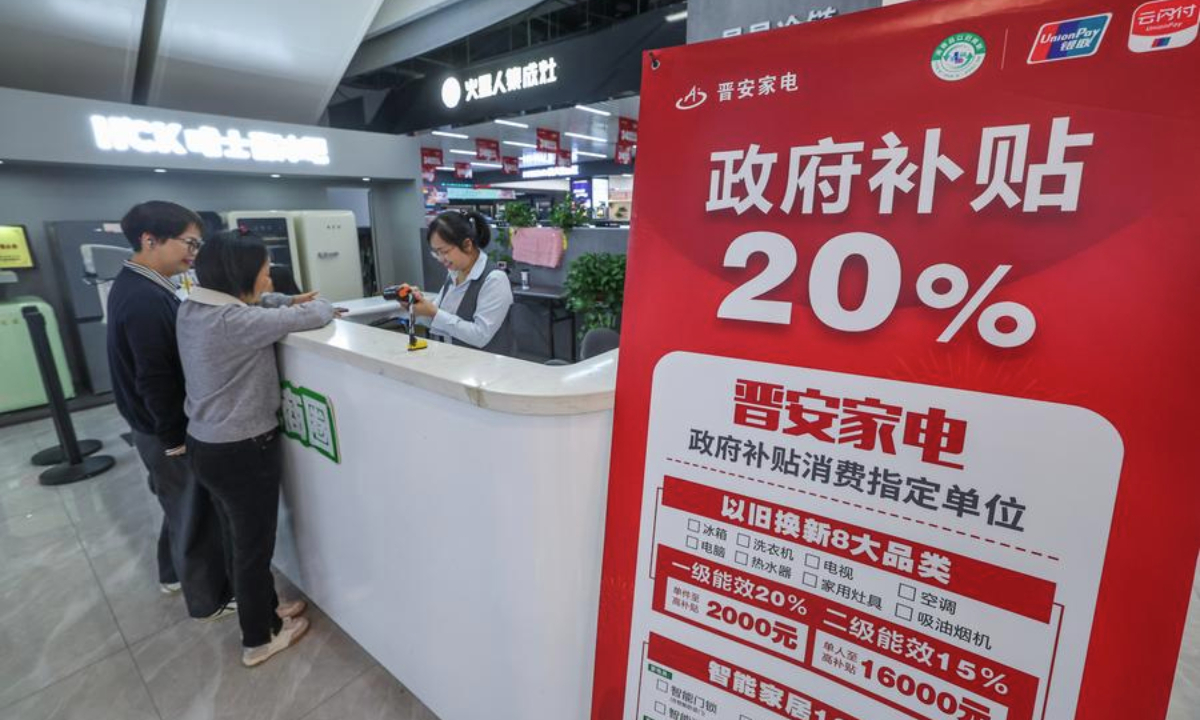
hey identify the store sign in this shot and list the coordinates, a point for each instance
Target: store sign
(623, 154)
(881, 447)
(487, 150)
(432, 157)
(547, 140)
(550, 172)
(463, 170)
(627, 130)
(510, 165)
(307, 417)
(154, 137)
(514, 79)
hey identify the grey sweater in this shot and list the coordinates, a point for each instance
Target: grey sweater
(227, 349)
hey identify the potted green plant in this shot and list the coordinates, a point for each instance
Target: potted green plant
(595, 287)
(568, 215)
(519, 215)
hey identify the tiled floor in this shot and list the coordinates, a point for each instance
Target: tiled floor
(86, 635)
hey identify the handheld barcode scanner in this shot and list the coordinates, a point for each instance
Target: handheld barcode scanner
(410, 296)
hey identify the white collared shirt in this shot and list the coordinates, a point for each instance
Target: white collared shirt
(495, 298)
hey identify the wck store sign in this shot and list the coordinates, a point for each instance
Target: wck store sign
(155, 137)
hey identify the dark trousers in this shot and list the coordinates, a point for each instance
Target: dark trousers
(190, 544)
(243, 478)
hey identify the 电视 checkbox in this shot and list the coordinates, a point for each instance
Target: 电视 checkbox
(812, 561)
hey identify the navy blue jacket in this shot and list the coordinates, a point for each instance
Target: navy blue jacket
(143, 357)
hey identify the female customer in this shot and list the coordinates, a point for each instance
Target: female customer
(474, 303)
(227, 332)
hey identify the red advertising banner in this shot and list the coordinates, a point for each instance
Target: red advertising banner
(563, 158)
(428, 174)
(487, 150)
(627, 129)
(547, 140)
(623, 153)
(511, 165)
(463, 171)
(431, 157)
(903, 423)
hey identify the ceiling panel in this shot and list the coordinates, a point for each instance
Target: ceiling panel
(85, 48)
(269, 59)
(571, 120)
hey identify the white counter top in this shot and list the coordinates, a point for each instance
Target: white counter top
(489, 381)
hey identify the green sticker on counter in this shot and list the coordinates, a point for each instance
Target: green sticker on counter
(307, 416)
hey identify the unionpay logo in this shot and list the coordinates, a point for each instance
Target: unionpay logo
(1069, 39)
(958, 56)
(1164, 25)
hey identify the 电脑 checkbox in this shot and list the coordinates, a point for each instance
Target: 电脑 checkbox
(908, 592)
(692, 542)
(809, 580)
(904, 612)
(741, 558)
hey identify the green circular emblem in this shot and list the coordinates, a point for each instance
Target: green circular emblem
(958, 56)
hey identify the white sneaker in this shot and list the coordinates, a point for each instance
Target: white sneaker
(291, 609)
(229, 608)
(169, 588)
(293, 628)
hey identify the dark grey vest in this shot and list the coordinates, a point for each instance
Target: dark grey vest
(504, 342)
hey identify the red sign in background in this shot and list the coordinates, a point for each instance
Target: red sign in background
(547, 140)
(1112, 281)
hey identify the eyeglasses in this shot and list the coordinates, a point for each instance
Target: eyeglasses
(194, 244)
(440, 254)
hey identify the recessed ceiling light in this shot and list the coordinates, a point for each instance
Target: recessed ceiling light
(676, 17)
(441, 133)
(464, 152)
(1, 162)
(585, 108)
(510, 123)
(274, 175)
(486, 165)
(366, 179)
(593, 138)
(514, 143)
(159, 170)
(444, 168)
(590, 154)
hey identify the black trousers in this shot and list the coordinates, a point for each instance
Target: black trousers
(190, 544)
(243, 478)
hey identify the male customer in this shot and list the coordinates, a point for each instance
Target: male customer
(148, 386)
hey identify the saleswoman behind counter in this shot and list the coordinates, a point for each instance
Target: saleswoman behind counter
(475, 303)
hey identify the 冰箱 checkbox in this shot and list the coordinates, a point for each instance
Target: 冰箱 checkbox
(908, 592)
(660, 708)
(663, 686)
(692, 542)
(812, 561)
(743, 540)
(741, 558)
(904, 612)
(809, 580)
(693, 525)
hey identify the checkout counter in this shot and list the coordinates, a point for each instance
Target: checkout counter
(446, 508)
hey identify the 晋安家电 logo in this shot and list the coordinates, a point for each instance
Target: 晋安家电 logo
(693, 99)
(1069, 39)
(1164, 25)
(958, 56)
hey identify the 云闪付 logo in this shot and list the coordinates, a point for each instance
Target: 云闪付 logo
(1164, 25)
(1068, 39)
(958, 56)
